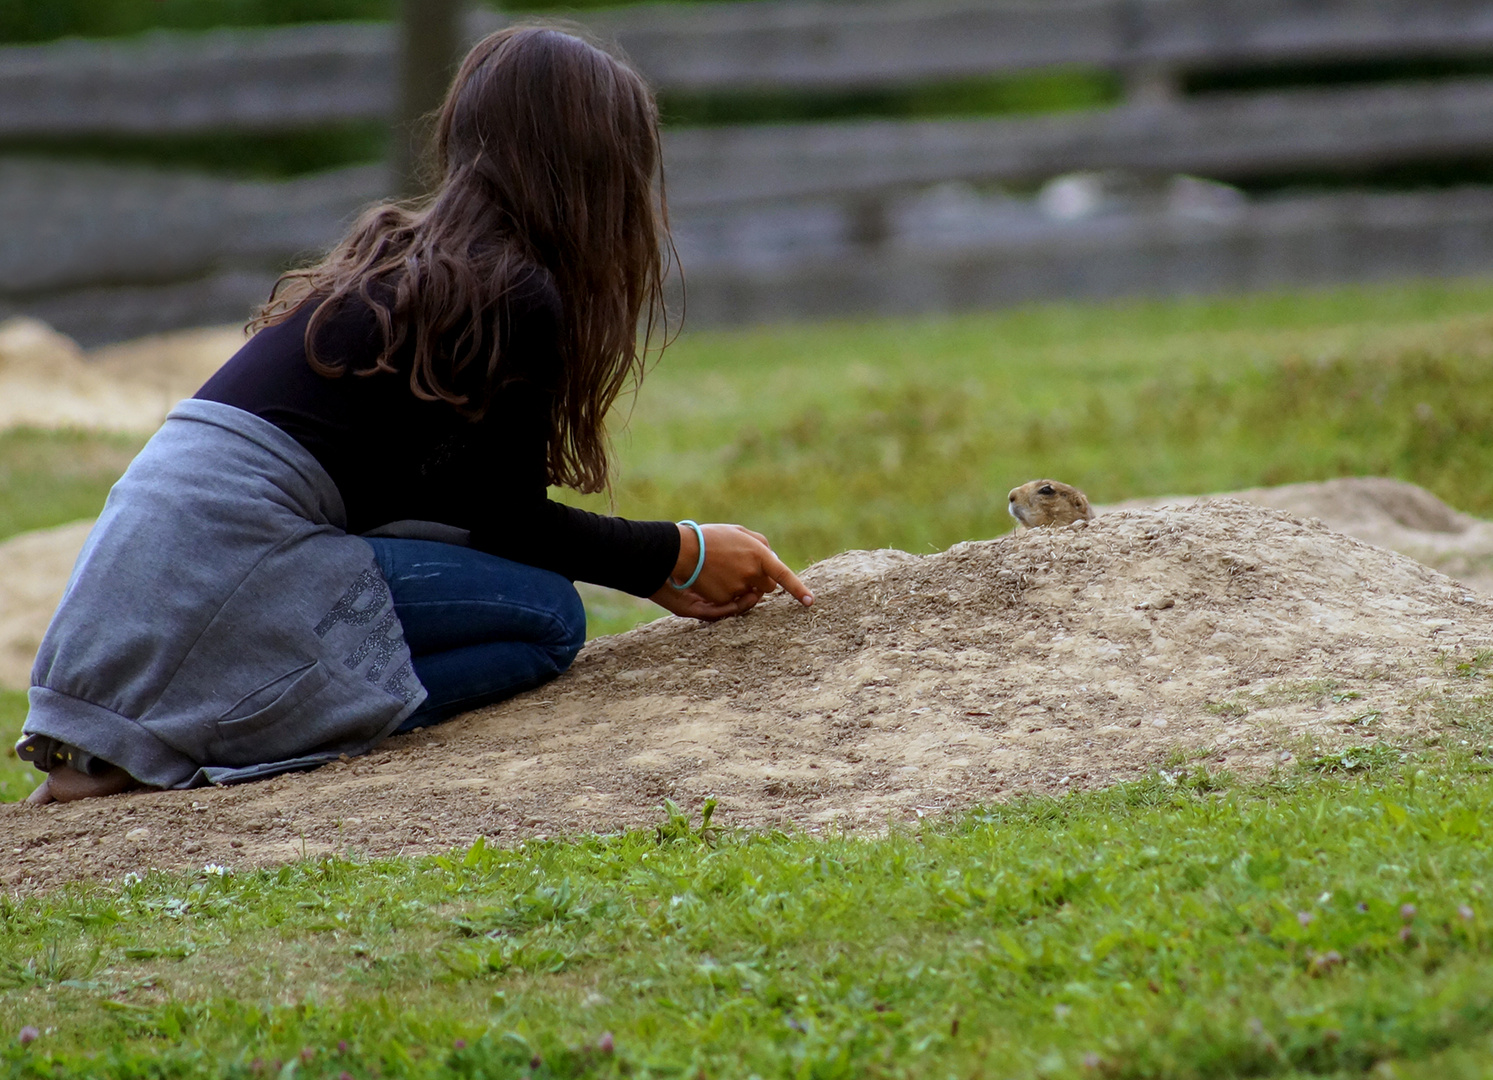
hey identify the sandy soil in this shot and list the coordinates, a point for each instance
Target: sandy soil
(47, 381)
(1040, 662)
(1386, 513)
(34, 568)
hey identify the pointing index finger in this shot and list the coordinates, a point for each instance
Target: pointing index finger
(779, 572)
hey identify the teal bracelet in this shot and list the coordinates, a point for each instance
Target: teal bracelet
(699, 563)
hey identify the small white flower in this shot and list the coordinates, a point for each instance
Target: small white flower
(132, 878)
(214, 869)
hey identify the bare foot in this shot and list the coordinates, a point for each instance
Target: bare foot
(64, 784)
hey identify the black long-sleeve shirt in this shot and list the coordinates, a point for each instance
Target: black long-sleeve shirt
(395, 457)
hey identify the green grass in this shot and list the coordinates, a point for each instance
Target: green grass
(249, 155)
(51, 478)
(44, 20)
(17, 778)
(1183, 926)
(1026, 92)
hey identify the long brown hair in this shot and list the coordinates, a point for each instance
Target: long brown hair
(547, 148)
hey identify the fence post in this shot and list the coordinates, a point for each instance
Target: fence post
(1152, 84)
(868, 223)
(1146, 78)
(430, 45)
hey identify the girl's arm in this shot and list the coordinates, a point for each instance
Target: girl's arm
(518, 521)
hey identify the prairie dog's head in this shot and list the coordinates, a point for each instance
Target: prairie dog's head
(1048, 502)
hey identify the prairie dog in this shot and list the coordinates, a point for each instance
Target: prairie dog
(1048, 502)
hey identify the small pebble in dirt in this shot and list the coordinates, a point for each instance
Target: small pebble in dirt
(137, 835)
(28, 1035)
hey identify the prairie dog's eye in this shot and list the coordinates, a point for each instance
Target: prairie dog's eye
(1045, 489)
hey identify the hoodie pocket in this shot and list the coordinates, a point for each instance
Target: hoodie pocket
(271, 703)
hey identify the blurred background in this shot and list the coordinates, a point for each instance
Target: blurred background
(162, 160)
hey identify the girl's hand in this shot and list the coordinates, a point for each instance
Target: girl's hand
(740, 569)
(692, 605)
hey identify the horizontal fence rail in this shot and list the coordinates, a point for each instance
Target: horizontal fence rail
(1278, 243)
(1234, 136)
(174, 83)
(797, 45)
(65, 226)
(108, 253)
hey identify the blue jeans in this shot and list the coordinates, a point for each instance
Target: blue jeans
(480, 628)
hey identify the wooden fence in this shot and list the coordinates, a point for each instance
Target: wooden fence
(1297, 240)
(72, 238)
(308, 75)
(108, 252)
(1228, 136)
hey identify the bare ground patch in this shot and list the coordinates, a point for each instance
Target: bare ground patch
(1384, 512)
(1044, 661)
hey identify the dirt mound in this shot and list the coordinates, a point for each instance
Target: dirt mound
(47, 381)
(1039, 662)
(1386, 513)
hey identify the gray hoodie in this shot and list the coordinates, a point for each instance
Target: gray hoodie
(219, 624)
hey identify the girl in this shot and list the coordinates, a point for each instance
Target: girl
(346, 532)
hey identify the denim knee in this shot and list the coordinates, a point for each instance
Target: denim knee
(570, 615)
